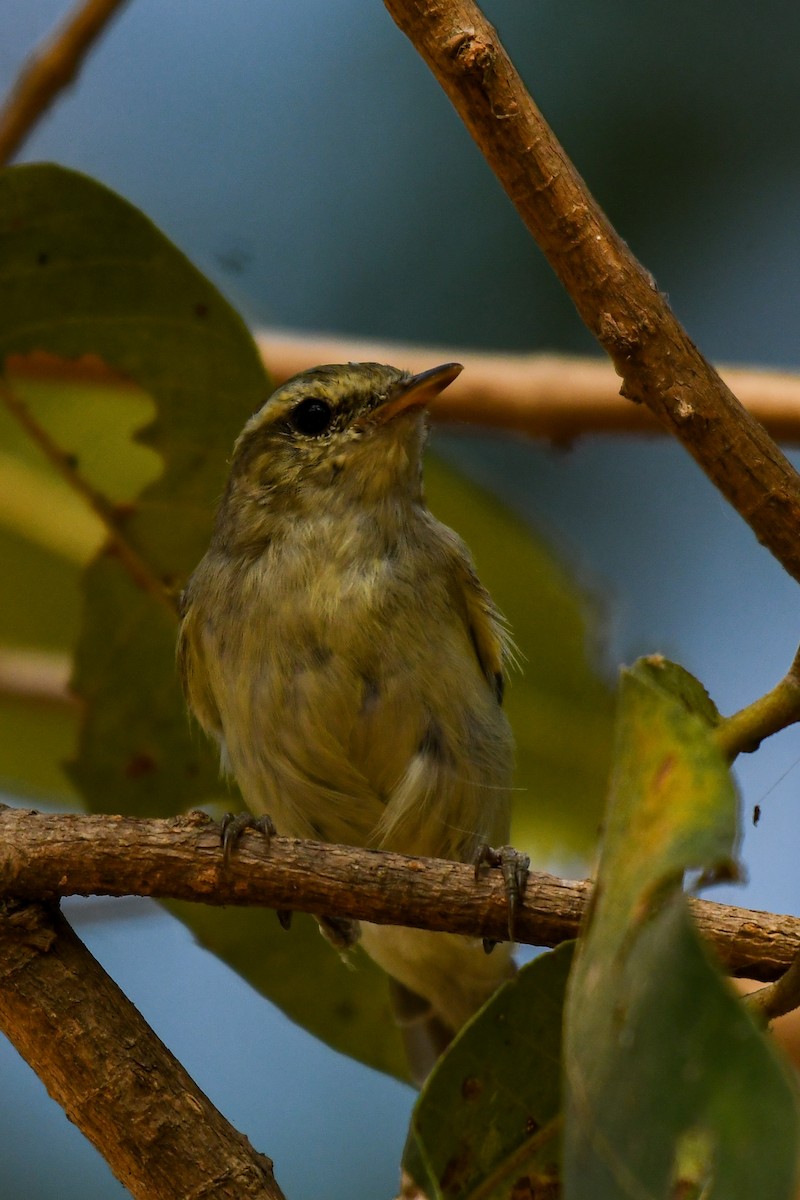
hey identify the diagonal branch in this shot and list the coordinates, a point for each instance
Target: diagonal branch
(110, 1073)
(47, 856)
(50, 69)
(616, 297)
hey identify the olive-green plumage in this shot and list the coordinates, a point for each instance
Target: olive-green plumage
(338, 645)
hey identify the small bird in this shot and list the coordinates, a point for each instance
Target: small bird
(338, 645)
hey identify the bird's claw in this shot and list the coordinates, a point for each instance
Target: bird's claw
(233, 825)
(514, 867)
(231, 828)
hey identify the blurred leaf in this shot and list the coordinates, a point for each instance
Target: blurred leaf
(559, 707)
(658, 1049)
(43, 510)
(36, 740)
(92, 415)
(486, 1120)
(46, 534)
(673, 678)
(67, 245)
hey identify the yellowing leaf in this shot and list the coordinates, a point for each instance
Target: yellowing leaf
(657, 1047)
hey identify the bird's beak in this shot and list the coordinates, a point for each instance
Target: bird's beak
(418, 391)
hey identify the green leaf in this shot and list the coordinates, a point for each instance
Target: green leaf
(673, 678)
(83, 273)
(37, 737)
(659, 1053)
(560, 708)
(486, 1119)
(47, 533)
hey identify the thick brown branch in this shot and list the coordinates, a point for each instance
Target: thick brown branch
(115, 1080)
(46, 856)
(617, 299)
(50, 69)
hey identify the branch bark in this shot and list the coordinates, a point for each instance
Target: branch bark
(50, 69)
(48, 856)
(616, 297)
(113, 1077)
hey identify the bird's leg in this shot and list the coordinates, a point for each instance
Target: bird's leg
(341, 932)
(514, 866)
(231, 828)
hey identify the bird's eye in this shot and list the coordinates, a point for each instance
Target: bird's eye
(311, 416)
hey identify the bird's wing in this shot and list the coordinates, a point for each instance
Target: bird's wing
(484, 623)
(194, 675)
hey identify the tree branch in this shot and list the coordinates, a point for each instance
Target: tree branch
(549, 396)
(36, 675)
(617, 299)
(744, 731)
(778, 998)
(115, 1080)
(46, 856)
(50, 69)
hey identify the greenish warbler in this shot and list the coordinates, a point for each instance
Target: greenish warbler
(339, 646)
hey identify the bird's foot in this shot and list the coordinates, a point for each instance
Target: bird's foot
(232, 826)
(514, 867)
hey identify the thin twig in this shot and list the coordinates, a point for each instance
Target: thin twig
(35, 675)
(110, 1073)
(51, 855)
(744, 731)
(616, 297)
(778, 998)
(50, 69)
(137, 567)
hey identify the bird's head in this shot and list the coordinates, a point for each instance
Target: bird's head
(335, 436)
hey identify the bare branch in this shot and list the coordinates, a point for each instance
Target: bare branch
(50, 69)
(617, 299)
(778, 998)
(35, 675)
(115, 1080)
(47, 856)
(549, 396)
